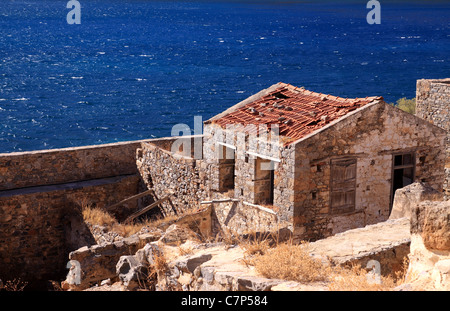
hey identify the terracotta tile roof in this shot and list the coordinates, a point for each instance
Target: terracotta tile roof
(297, 111)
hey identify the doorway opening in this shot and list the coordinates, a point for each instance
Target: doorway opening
(403, 172)
(264, 181)
(227, 164)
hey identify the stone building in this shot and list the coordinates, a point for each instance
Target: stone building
(433, 105)
(316, 163)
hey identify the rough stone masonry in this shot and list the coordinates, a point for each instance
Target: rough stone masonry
(433, 105)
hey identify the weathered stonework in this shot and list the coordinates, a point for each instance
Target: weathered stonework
(36, 227)
(433, 105)
(184, 178)
(98, 262)
(429, 260)
(251, 183)
(372, 136)
(240, 217)
(302, 173)
(58, 166)
(41, 193)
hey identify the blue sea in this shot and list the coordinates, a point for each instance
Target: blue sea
(133, 69)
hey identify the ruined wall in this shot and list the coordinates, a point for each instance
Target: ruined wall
(248, 184)
(240, 218)
(57, 166)
(371, 136)
(433, 105)
(429, 264)
(167, 172)
(37, 227)
(40, 196)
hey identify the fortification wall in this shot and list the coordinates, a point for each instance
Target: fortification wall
(57, 166)
(38, 229)
(41, 193)
(433, 105)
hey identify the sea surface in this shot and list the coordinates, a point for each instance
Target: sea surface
(133, 69)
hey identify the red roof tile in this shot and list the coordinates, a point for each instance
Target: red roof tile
(297, 111)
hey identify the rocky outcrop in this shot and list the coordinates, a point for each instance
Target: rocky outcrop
(431, 220)
(177, 234)
(407, 197)
(210, 267)
(176, 259)
(98, 262)
(429, 267)
(135, 270)
(387, 242)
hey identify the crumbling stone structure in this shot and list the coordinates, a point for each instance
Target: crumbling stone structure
(433, 105)
(320, 163)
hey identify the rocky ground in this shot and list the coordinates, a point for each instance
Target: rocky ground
(192, 265)
(179, 259)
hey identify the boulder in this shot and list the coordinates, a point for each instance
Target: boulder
(131, 271)
(409, 196)
(431, 220)
(177, 234)
(189, 263)
(429, 267)
(99, 262)
(148, 253)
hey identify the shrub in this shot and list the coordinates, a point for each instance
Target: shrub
(408, 105)
(293, 262)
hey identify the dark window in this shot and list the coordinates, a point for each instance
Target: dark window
(226, 168)
(343, 185)
(403, 171)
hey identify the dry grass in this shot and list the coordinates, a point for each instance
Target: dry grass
(292, 262)
(127, 229)
(16, 285)
(97, 216)
(256, 243)
(357, 278)
(228, 237)
(156, 274)
(185, 250)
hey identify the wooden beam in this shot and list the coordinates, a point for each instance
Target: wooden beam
(219, 201)
(135, 197)
(145, 209)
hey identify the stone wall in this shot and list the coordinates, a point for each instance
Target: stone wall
(240, 217)
(37, 228)
(371, 137)
(57, 166)
(433, 105)
(251, 184)
(41, 193)
(184, 178)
